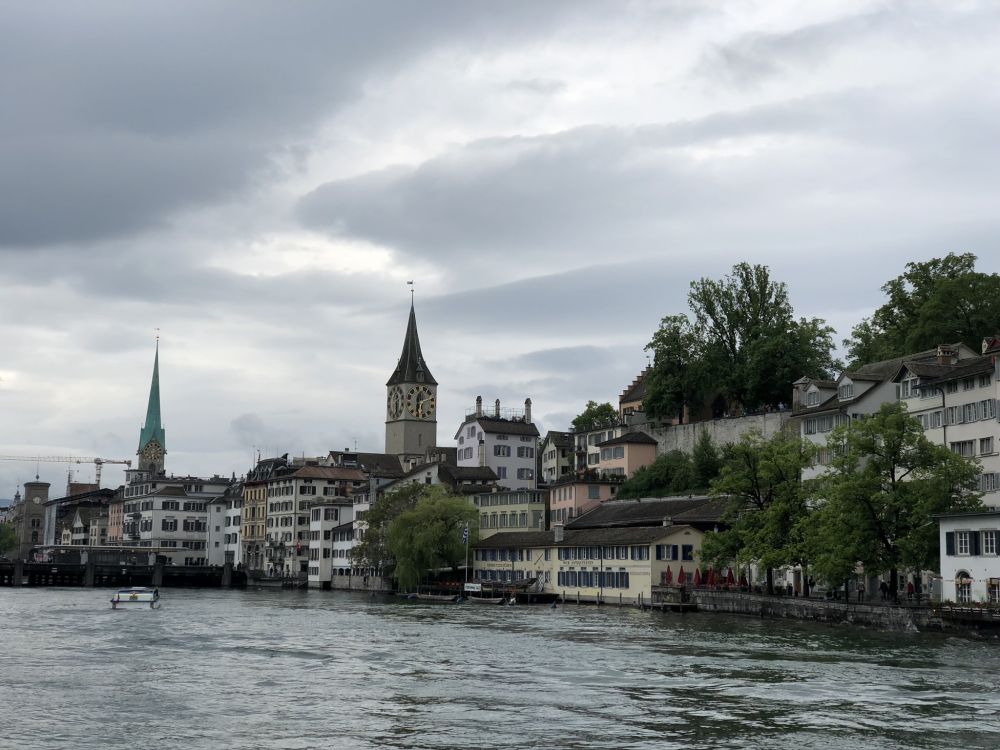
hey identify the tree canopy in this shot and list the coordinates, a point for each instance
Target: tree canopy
(8, 538)
(428, 536)
(596, 416)
(371, 551)
(768, 505)
(675, 472)
(741, 343)
(877, 503)
(940, 301)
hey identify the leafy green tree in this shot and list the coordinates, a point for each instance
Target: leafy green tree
(429, 535)
(705, 459)
(940, 301)
(768, 503)
(673, 380)
(887, 481)
(371, 551)
(744, 345)
(8, 538)
(670, 474)
(596, 416)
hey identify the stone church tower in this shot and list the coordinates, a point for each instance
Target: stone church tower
(152, 438)
(411, 403)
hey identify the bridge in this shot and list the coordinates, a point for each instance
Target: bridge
(111, 572)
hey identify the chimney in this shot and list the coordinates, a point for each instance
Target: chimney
(527, 410)
(946, 354)
(496, 407)
(479, 406)
(558, 532)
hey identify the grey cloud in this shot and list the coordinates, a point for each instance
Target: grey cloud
(119, 116)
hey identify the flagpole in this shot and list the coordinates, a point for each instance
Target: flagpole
(466, 535)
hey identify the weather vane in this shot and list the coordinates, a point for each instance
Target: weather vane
(410, 284)
(157, 334)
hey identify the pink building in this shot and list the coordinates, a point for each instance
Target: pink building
(623, 456)
(570, 497)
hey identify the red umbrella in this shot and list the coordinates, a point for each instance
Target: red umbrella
(730, 578)
(668, 577)
(711, 578)
(681, 578)
(697, 576)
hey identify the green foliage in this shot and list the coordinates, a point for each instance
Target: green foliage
(940, 301)
(744, 342)
(371, 550)
(672, 473)
(705, 460)
(429, 535)
(768, 505)
(886, 483)
(595, 417)
(8, 538)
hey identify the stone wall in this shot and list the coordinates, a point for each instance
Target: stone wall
(906, 619)
(682, 437)
(361, 583)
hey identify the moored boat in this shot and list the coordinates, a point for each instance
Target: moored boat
(137, 597)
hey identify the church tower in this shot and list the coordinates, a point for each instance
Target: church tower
(411, 403)
(152, 438)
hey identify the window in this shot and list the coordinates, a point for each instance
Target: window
(968, 384)
(501, 472)
(168, 524)
(963, 588)
(987, 409)
(593, 458)
(525, 452)
(964, 448)
(989, 542)
(619, 451)
(472, 431)
(503, 437)
(988, 482)
(687, 552)
(501, 450)
(984, 380)
(985, 446)
(525, 473)
(593, 492)
(845, 391)
(962, 542)
(812, 398)
(968, 412)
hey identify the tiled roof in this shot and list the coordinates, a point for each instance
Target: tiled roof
(964, 368)
(629, 437)
(578, 537)
(560, 439)
(638, 388)
(328, 472)
(646, 512)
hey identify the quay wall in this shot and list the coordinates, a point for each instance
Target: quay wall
(901, 619)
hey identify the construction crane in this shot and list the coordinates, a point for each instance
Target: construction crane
(97, 462)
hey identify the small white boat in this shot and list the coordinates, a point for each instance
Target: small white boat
(137, 597)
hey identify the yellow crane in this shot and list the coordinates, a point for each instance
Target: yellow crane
(97, 462)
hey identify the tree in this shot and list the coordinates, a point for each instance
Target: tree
(672, 382)
(768, 503)
(744, 346)
(8, 538)
(670, 474)
(940, 301)
(371, 551)
(755, 347)
(887, 482)
(429, 535)
(596, 416)
(705, 460)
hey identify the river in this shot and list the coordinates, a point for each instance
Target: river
(283, 669)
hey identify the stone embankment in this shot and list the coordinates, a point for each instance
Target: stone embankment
(901, 619)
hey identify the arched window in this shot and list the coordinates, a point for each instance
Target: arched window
(963, 587)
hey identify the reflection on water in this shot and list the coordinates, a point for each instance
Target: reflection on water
(286, 669)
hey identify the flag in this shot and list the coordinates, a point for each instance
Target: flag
(465, 534)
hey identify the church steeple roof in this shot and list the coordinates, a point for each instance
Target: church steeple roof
(411, 367)
(152, 428)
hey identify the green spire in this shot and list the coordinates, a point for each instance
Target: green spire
(152, 429)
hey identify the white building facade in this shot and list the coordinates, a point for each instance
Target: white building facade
(504, 440)
(970, 564)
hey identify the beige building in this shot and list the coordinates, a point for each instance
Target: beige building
(573, 496)
(624, 455)
(518, 510)
(556, 453)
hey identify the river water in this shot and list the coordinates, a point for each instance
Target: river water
(283, 669)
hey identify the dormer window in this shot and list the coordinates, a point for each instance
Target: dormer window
(845, 391)
(812, 398)
(908, 388)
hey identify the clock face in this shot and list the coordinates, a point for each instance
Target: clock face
(153, 451)
(420, 402)
(394, 404)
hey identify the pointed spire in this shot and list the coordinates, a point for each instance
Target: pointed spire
(152, 428)
(411, 367)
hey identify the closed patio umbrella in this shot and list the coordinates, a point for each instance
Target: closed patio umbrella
(711, 578)
(681, 578)
(730, 578)
(697, 576)
(668, 577)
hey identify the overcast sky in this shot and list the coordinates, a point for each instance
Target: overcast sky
(259, 181)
